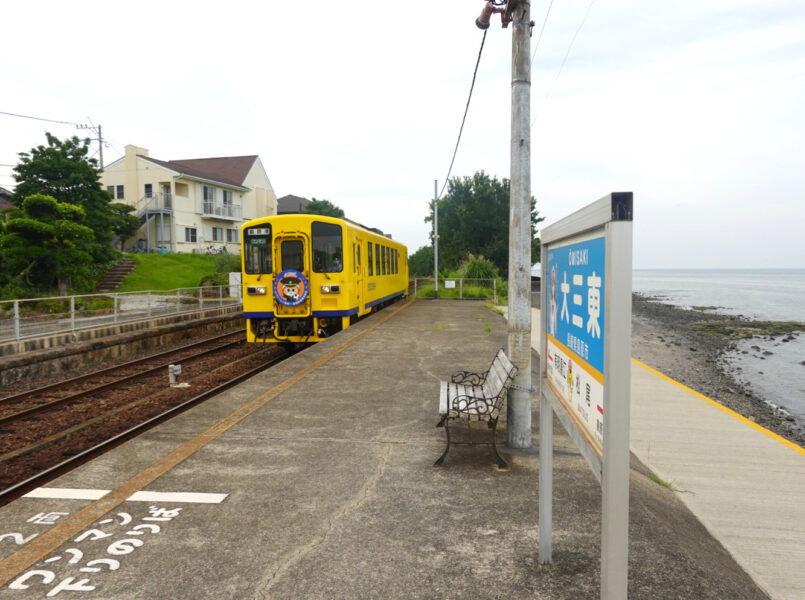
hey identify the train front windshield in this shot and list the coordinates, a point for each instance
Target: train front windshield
(257, 249)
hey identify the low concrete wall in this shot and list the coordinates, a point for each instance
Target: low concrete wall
(58, 355)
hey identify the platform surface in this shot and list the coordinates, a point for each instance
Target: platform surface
(314, 480)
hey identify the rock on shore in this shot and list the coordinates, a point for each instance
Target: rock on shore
(686, 345)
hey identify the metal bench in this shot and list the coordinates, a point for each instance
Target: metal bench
(476, 397)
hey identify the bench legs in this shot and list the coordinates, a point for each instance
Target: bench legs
(443, 423)
(493, 424)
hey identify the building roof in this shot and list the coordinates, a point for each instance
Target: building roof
(5, 198)
(231, 170)
(291, 204)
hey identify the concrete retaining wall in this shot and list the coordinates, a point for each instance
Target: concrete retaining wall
(60, 354)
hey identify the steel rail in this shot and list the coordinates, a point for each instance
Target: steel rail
(101, 372)
(35, 410)
(18, 489)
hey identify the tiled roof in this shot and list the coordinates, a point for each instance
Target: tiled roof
(291, 204)
(230, 170)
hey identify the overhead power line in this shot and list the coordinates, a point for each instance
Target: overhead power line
(569, 48)
(464, 119)
(541, 31)
(38, 118)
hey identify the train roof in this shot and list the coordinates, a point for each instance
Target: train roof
(374, 230)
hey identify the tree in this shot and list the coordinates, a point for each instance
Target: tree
(46, 244)
(474, 219)
(420, 263)
(124, 224)
(62, 170)
(324, 208)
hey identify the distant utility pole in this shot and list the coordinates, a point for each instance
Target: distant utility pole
(97, 130)
(436, 237)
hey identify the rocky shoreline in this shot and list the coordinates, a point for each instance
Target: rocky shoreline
(688, 346)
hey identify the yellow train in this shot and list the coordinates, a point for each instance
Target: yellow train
(306, 277)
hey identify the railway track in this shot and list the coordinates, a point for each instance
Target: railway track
(50, 430)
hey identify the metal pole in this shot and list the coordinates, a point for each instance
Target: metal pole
(17, 320)
(436, 237)
(115, 299)
(519, 403)
(72, 314)
(100, 145)
(545, 433)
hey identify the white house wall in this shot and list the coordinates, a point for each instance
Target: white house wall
(134, 172)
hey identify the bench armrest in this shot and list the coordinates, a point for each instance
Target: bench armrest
(475, 406)
(469, 377)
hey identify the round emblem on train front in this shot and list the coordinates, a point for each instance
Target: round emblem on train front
(291, 288)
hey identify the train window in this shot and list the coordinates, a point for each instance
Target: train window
(257, 249)
(377, 259)
(383, 259)
(388, 261)
(369, 257)
(328, 247)
(293, 255)
(394, 261)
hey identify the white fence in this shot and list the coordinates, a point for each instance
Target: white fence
(34, 317)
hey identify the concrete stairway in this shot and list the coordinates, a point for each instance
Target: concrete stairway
(115, 275)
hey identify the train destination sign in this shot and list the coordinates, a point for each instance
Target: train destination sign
(585, 350)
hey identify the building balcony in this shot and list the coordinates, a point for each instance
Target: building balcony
(222, 211)
(160, 203)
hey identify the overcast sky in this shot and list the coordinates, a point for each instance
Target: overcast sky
(696, 107)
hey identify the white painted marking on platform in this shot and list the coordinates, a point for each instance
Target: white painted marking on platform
(89, 494)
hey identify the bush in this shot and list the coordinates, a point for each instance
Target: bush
(477, 267)
(214, 279)
(227, 263)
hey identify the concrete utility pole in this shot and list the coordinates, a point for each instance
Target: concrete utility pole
(98, 130)
(519, 399)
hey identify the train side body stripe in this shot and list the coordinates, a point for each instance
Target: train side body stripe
(384, 299)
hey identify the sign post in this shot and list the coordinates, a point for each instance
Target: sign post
(585, 349)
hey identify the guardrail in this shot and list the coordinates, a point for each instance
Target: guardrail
(456, 288)
(35, 317)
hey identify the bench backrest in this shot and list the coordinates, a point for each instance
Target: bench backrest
(500, 375)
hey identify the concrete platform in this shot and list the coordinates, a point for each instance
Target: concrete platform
(323, 467)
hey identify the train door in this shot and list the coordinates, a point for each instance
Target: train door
(292, 284)
(359, 278)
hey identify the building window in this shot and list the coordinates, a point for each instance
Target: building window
(232, 236)
(120, 194)
(217, 234)
(149, 190)
(111, 190)
(227, 196)
(209, 194)
(190, 234)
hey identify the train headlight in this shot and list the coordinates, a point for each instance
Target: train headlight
(330, 289)
(258, 290)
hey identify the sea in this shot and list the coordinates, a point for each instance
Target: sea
(773, 369)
